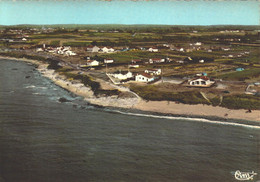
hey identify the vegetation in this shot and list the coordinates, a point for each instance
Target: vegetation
(241, 75)
(241, 102)
(89, 82)
(55, 43)
(76, 44)
(23, 55)
(223, 49)
(148, 93)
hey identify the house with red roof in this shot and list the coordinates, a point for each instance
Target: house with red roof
(92, 63)
(136, 61)
(144, 77)
(202, 81)
(153, 71)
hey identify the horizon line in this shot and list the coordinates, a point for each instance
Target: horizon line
(127, 24)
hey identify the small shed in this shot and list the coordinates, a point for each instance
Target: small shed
(240, 69)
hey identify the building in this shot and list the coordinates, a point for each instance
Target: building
(91, 48)
(108, 61)
(152, 61)
(198, 44)
(153, 71)
(133, 66)
(144, 77)
(136, 61)
(201, 82)
(121, 75)
(92, 63)
(240, 69)
(107, 49)
(153, 49)
(70, 53)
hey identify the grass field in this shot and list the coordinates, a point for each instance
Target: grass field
(241, 75)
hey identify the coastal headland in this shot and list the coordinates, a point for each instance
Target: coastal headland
(208, 71)
(135, 102)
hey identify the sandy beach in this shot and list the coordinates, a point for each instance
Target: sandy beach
(137, 103)
(197, 110)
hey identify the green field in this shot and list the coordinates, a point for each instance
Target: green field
(241, 75)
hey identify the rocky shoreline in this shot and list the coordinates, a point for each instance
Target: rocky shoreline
(136, 102)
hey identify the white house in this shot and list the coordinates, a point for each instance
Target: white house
(151, 61)
(39, 50)
(107, 49)
(153, 49)
(198, 43)
(122, 75)
(91, 48)
(24, 39)
(70, 53)
(133, 66)
(136, 61)
(153, 71)
(107, 61)
(92, 63)
(201, 82)
(225, 49)
(144, 77)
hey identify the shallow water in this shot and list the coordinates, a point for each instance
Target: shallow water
(42, 139)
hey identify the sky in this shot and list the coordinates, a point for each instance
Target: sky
(162, 12)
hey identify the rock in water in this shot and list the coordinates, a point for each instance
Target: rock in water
(62, 99)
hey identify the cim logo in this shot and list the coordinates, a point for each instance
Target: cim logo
(243, 176)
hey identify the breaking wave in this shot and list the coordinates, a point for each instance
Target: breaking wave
(230, 123)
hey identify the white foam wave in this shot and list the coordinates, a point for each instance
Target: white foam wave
(190, 119)
(42, 87)
(36, 93)
(30, 86)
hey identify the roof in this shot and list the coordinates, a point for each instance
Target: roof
(201, 77)
(146, 75)
(155, 69)
(90, 61)
(136, 60)
(121, 72)
(156, 59)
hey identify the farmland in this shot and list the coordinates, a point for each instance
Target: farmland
(227, 54)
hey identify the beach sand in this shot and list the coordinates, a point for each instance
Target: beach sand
(197, 110)
(166, 107)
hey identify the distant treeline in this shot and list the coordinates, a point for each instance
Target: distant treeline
(135, 28)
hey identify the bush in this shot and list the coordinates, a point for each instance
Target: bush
(215, 101)
(53, 64)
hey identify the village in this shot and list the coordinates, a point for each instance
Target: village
(213, 63)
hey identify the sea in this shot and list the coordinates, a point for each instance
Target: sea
(45, 140)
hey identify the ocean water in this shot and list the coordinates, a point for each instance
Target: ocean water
(43, 140)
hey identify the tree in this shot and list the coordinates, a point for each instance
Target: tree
(94, 43)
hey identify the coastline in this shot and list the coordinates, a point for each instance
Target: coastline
(165, 107)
